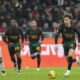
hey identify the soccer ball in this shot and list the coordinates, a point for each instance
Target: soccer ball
(52, 74)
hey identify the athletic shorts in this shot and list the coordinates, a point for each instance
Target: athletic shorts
(67, 48)
(14, 48)
(34, 49)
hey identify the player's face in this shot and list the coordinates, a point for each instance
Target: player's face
(13, 23)
(33, 24)
(67, 21)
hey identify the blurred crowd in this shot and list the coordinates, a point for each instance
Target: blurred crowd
(48, 13)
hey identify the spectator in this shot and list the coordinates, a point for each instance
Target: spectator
(46, 12)
(3, 27)
(24, 26)
(60, 2)
(55, 27)
(46, 27)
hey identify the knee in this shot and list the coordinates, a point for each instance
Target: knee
(18, 57)
(71, 51)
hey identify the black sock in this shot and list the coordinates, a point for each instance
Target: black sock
(38, 60)
(13, 60)
(69, 62)
(19, 63)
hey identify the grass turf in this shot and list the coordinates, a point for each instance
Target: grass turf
(33, 74)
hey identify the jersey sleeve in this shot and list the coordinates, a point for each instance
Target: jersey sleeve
(57, 34)
(41, 34)
(78, 33)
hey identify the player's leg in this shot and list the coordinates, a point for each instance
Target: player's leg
(69, 58)
(66, 50)
(2, 65)
(11, 52)
(38, 61)
(70, 53)
(35, 53)
(32, 52)
(70, 61)
(19, 61)
(38, 50)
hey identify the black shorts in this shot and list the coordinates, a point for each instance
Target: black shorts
(67, 48)
(34, 49)
(14, 49)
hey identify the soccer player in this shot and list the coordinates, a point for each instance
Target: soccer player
(1, 60)
(68, 31)
(12, 37)
(34, 39)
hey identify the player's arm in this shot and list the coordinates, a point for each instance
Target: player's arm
(41, 36)
(57, 35)
(56, 38)
(78, 33)
(27, 37)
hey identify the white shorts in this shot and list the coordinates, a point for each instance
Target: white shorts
(0, 52)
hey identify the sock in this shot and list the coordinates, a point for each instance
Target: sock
(69, 62)
(13, 60)
(38, 60)
(2, 66)
(19, 63)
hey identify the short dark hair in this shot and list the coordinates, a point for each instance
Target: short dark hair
(69, 16)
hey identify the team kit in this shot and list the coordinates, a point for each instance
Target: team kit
(34, 37)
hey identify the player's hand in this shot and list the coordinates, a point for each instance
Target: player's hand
(56, 47)
(28, 43)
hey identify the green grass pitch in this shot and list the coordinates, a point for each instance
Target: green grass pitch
(33, 74)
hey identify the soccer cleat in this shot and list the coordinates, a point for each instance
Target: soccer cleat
(38, 69)
(3, 73)
(19, 72)
(67, 73)
(78, 60)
